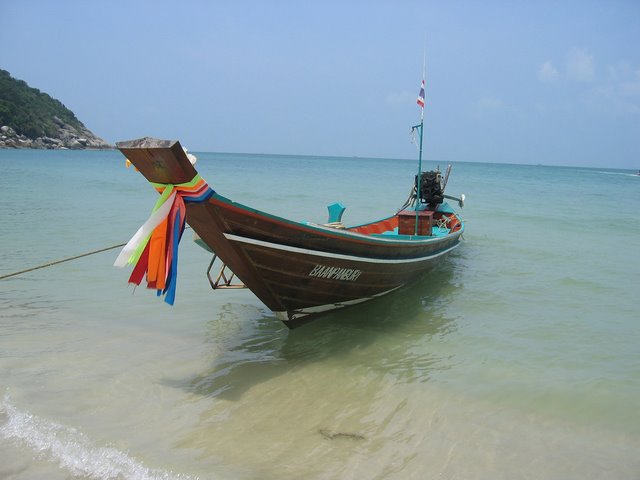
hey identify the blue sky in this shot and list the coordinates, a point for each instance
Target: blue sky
(548, 82)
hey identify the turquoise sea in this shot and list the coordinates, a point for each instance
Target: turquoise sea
(517, 358)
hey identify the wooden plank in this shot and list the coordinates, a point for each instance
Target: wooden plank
(160, 161)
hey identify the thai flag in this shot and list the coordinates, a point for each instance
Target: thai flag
(421, 95)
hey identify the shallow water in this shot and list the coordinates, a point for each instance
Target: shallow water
(516, 358)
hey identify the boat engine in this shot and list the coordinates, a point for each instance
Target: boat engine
(431, 187)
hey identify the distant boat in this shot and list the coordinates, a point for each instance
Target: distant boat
(299, 270)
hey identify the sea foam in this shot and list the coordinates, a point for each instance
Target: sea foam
(72, 449)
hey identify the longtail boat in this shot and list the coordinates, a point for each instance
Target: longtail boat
(297, 269)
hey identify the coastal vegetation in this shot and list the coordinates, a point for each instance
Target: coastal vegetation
(30, 118)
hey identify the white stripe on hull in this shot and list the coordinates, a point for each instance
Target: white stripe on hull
(318, 253)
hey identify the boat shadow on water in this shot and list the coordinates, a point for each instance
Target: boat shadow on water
(248, 351)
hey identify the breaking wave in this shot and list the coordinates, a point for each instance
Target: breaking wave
(72, 450)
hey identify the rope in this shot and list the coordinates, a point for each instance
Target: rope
(60, 261)
(50, 264)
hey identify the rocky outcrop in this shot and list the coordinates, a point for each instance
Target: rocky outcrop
(30, 118)
(67, 137)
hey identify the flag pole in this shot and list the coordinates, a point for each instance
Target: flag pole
(419, 186)
(421, 100)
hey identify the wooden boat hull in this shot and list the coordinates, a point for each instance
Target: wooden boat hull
(296, 269)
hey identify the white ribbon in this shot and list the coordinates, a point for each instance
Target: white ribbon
(144, 231)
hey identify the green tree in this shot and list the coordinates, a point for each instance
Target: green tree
(29, 111)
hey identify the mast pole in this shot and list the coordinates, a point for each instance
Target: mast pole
(418, 182)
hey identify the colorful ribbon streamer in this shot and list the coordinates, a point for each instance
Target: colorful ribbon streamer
(153, 250)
